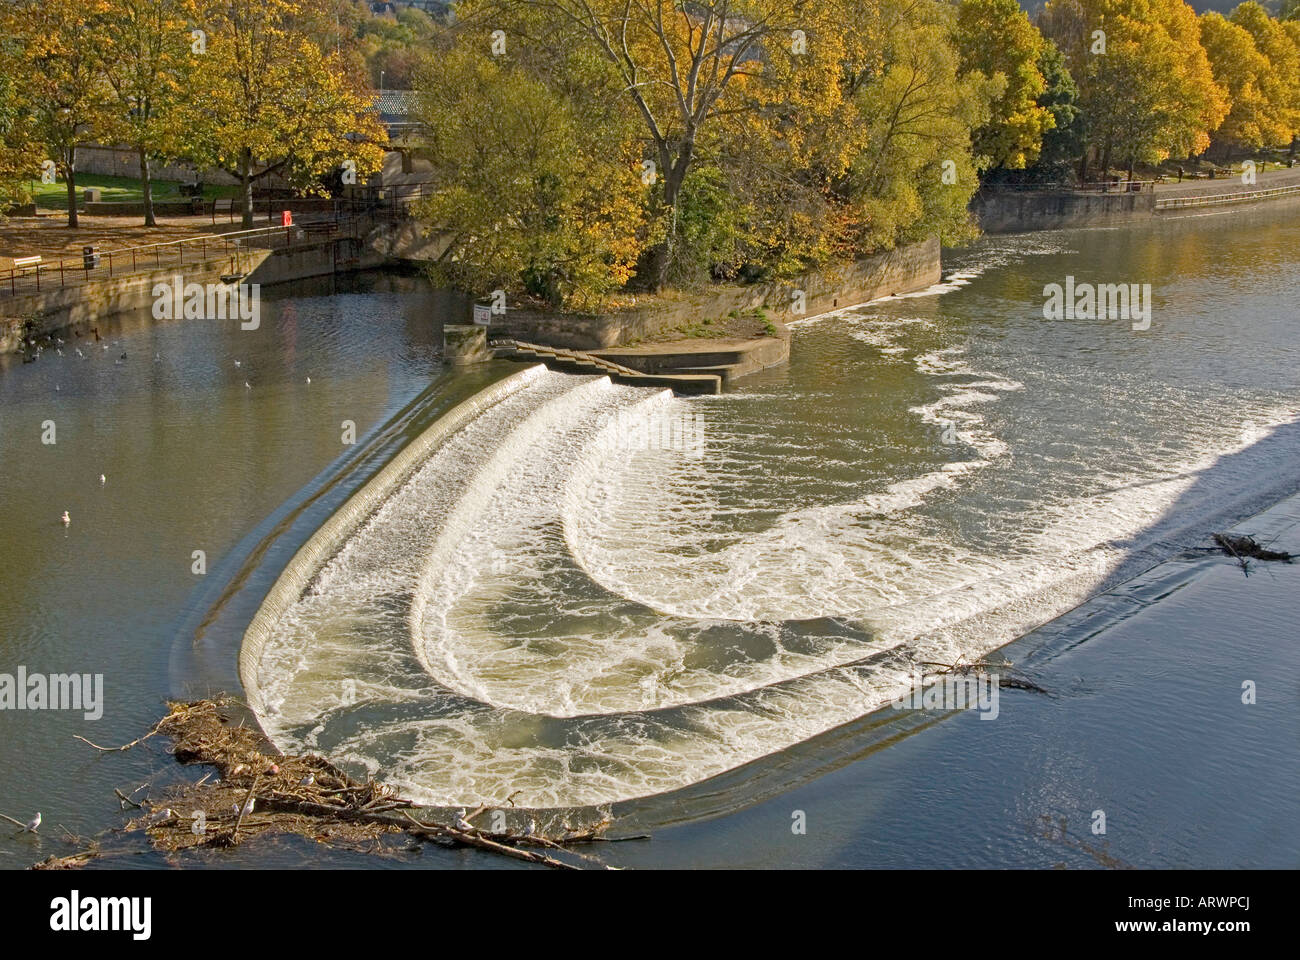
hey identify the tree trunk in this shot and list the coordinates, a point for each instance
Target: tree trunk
(246, 188)
(1130, 169)
(660, 260)
(70, 174)
(147, 188)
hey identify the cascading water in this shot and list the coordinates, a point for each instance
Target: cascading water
(593, 592)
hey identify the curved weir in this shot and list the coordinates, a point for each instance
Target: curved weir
(574, 593)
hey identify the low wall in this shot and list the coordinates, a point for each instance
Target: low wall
(326, 541)
(1017, 211)
(135, 208)
(903, 270)
(75, 308)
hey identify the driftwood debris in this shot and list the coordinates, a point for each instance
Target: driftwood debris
(1244, 549)
(982, 667)
(258, 793)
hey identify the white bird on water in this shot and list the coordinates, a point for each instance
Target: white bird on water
(236, 364)
(102, 479)
(246, 385)
(309, 381)
(33, 823)
(65, 518)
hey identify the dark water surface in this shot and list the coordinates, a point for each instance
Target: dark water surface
(702, 640)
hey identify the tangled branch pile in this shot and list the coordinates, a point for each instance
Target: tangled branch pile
(256, 793)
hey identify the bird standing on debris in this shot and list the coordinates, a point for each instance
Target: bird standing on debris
(308, 780)
(33, 823)
(461, 823)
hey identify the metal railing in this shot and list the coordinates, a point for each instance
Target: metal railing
(1240, 196)
(126, 261)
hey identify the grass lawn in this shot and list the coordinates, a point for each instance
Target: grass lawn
(54, 196)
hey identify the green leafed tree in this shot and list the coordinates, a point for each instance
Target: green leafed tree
(996, 39)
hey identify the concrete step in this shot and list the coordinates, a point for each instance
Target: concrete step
(722, 370)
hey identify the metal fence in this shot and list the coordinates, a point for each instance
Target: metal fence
(126, 261)
(1241, 196)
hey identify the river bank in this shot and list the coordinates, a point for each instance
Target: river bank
(1128, 448)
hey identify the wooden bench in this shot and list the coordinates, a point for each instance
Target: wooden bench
(225, 205)
(23, 265)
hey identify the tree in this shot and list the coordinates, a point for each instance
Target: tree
(20, 157)
(58, 84)
(1280, 84)
(914, 175)
(270, 101)
(1145, 82)
(996, 39)
(699, 76)
(145, 51)
(1063, 143)
(1245, 73)
(535, 193)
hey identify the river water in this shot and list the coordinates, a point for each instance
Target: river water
(688, 608)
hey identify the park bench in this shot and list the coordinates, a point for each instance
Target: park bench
(21, 265)
(226, 205)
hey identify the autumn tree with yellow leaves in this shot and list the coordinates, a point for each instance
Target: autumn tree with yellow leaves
(58, 89)
(1145, 81)
(145, 51)
(268, 99)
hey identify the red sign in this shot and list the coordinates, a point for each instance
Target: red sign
(286, 218)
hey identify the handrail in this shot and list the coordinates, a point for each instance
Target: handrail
(1239, 196)
(78, 269)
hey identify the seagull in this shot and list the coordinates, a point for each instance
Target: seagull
(65, 518)
(461, 823)
(236, 363)
(308, 780)
(160, 815)
(33, 823)
(530, 827)
(246, 385)
(248, 807)
(103, 479)
(309, 381)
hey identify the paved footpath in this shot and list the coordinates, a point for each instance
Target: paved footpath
(1263, 181)
(51, 238)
